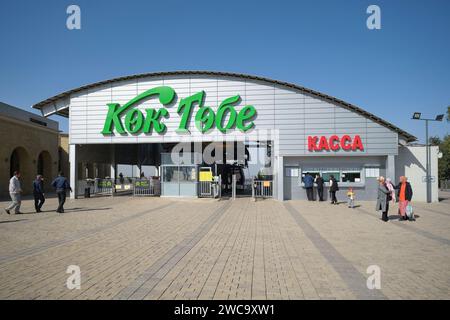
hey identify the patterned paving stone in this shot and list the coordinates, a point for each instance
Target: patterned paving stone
(160, 248)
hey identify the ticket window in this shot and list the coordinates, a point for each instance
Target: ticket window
(326, 175)
(311, 173)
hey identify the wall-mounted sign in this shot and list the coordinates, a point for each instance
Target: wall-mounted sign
(432, 179)
(135, 122)
(335, 143)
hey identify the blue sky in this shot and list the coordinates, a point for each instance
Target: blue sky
(322, 45)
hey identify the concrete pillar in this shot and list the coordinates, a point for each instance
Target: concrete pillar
(280, 178)
(113, 163)
(73, 170)
(390, 168)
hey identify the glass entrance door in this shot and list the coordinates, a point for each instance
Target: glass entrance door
(179, 180)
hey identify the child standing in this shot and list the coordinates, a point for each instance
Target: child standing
(351, 198)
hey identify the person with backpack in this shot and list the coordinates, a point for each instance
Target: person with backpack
(334, 187)
(61, 185)
(38, 193)
(404, 196)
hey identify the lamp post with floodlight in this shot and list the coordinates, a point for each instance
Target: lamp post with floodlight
(417, 116)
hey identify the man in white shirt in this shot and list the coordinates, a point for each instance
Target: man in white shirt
(15, 190)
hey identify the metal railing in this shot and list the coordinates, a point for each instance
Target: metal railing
(147, 187)
(210, 189)
(91, 187)
(104, 186)
(82, 185)
(124, 185)
(262, 189)
(205, 189)
(111, 187)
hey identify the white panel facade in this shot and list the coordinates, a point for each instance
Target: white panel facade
(296, 115)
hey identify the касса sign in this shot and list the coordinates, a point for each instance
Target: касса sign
(135, 121)
(335, 143)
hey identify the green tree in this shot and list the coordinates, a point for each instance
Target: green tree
(444, 161)
(448, 113)
(434, 141)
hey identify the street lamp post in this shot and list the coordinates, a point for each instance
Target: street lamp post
(417, 116)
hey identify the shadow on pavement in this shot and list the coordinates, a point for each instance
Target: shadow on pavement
(9, 221)
(85, 209)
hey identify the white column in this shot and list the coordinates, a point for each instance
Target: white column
(113, 163)
(113, 171)
(390, 168)
(73, 170)
(280, 178)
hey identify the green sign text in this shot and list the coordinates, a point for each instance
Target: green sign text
(127, 119)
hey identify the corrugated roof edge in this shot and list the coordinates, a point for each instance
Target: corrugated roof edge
(409, 137)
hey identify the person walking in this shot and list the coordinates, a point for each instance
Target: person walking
(405, 194)
(319, 182)
(308, 180)
(61, 185)
(333, 188)
(15, 190)
(38, 193)
(383, 199)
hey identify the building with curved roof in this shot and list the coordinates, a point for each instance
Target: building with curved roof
(260, 127)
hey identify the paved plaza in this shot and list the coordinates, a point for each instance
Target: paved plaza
(163, 248)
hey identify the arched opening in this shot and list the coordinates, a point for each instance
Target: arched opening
(18, 161)
(44, 167)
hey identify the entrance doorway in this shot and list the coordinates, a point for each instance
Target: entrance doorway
(44, 168)
(18, 161)
(179, 180)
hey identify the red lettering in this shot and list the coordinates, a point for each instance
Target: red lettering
(357, 143)
(312, 143)
(344, 144)
(333, 145)
(323, 144)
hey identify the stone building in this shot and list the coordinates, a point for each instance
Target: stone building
(32, 145)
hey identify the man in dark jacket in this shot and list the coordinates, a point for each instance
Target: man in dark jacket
(319, 182)
(38, 193)
(308, 180)
(334, 187)
(61, 185)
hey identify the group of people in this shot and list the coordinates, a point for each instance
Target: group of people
(309, 182)
(388, 192)
(60, 184)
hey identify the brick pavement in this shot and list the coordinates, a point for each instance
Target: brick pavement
(160, 248)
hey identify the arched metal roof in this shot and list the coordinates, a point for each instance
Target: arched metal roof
(409, 137)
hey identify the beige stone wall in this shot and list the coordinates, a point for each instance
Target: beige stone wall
(64, 154)
(31, 140)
